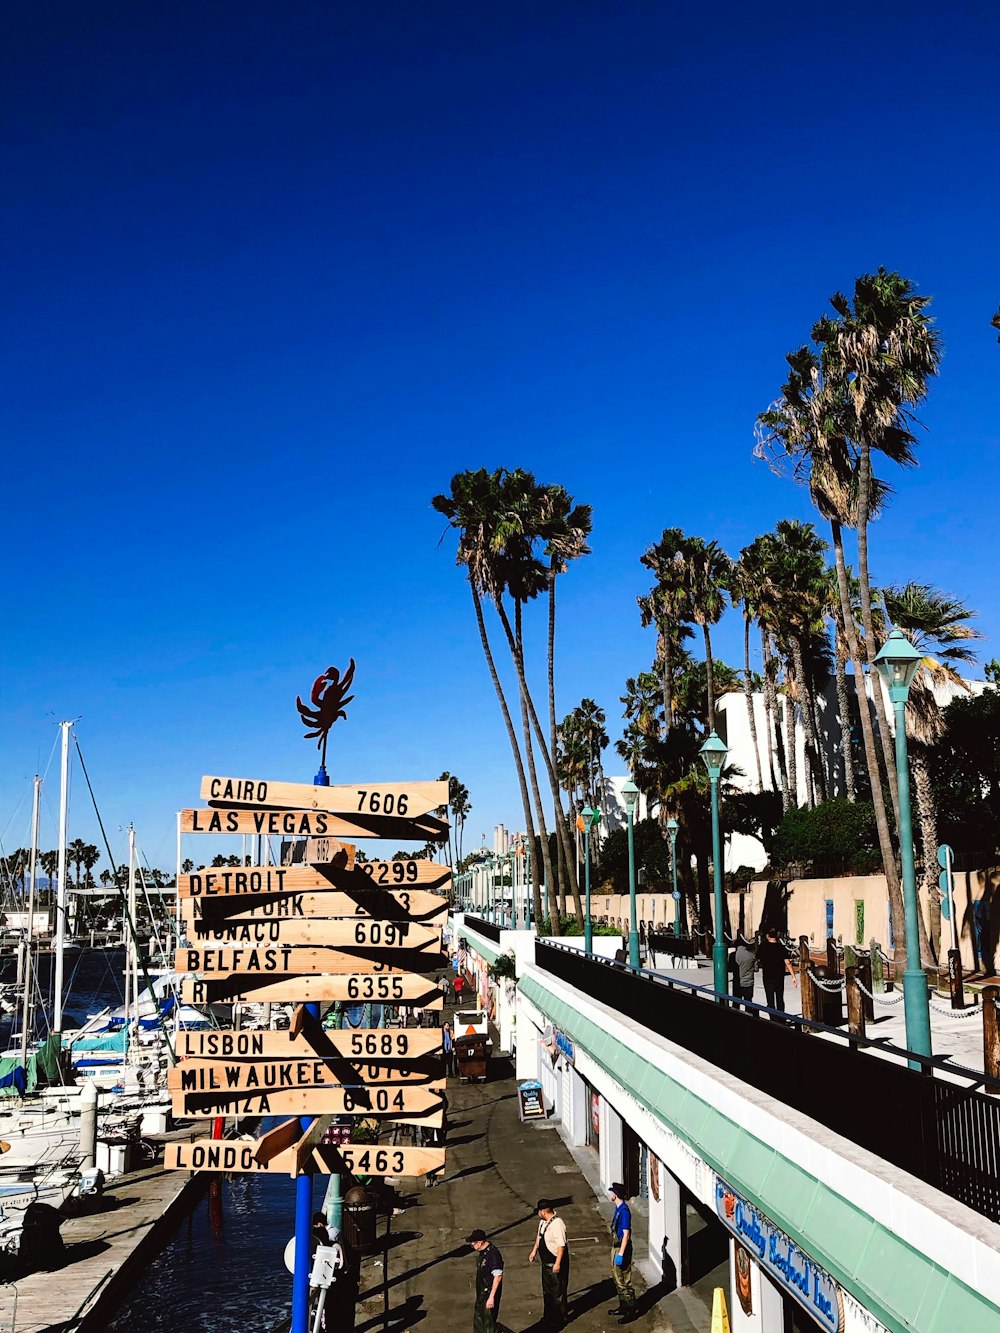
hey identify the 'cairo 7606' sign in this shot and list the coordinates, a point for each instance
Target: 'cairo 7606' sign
(781, 1258)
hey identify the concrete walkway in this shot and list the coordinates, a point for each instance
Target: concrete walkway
(497, 1169)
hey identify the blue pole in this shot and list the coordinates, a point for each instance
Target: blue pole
(719, 947)
(633, 933)
(304, 1197)
(588, 934)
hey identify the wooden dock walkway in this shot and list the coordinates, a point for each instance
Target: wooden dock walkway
(101, 1248)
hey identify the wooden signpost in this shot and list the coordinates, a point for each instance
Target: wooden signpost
(382, 1044)
(407, 800)
(282, 931)
(371, 1104)
(252, 1075)
(363, 1159)
(307, 823)
(354, 988)
(365, 877)
(284, 960)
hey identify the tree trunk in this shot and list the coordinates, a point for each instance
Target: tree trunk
(529, 823)
(809, 720)
(564, 866)
(885, 732)
(551, 888)
(517, 652)
(779, 783)
(927, 813)
(871, 753)
(844, 709)
(709, 678)
(791, 755)
(748, 694)
(667, 670)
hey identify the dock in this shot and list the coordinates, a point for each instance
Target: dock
(102, 1249)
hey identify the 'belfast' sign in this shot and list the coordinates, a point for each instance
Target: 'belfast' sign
(779, 1256)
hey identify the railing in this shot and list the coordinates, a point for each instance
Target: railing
(485, 928)
(941, 1131)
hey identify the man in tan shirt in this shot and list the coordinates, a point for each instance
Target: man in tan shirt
(552, 1250)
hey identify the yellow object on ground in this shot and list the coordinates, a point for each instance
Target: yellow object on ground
(720, 1316)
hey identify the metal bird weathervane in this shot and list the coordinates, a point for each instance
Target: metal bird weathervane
(329, 699)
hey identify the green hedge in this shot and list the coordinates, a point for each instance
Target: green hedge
(837, 835)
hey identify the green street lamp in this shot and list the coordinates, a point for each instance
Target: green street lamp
(714, 752)
(630, 792)
(591, 818)
(897, 662)
(672, 827)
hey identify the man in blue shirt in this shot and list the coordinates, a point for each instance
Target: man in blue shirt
(489, 1282)
(621, 1255)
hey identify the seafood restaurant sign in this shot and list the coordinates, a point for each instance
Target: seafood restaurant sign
(791, 1268)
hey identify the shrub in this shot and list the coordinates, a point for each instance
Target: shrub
(837, 834)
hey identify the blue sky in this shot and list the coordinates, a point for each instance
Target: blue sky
(275, 273)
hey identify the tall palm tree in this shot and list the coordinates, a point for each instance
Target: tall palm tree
(937, 625)
(709, 572)
(744, 591)
(475, 509)
(805, 431)
(91, 857)
(667, 606)
(76, 852)
(800, 572)
(884, 350)
(564, 527)
(756, 565)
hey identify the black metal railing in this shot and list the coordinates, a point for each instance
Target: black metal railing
(944, 1132)
(485, 928)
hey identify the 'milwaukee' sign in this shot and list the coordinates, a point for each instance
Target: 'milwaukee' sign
(793, 1269)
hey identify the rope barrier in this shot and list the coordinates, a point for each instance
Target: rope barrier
(879, 999)
(972, 1012)
(824, 985)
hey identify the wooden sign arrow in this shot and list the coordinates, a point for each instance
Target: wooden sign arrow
(265, 1075)
(362, 934)
(423, 1104)
(407, 800)
(361, 1159)
(243, 988)
(318, 826)
(363, 878)
(286, 960)
(385, 1045)
(412, 905)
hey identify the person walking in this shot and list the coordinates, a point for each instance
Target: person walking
(774, 964)
(621, 1255)
(489, 1282)
(448, 1040)
(551, 1248)
(744, 967)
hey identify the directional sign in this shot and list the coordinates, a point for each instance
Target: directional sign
(286, 960)
(318, 826)
(407, 800)
(422, 1103)
(414, 905)
(356, 988)
(368, 875)
(362, 1159)
(276, 1075)
(362, 933)
(382, 1044)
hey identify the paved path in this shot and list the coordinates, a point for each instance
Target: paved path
(497, 1169)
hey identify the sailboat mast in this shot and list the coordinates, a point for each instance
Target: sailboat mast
(28, 970)
(129, 926)
(57, 1015)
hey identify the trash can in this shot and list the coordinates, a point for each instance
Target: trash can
(360, 1214)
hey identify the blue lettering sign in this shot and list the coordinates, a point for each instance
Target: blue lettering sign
(779, 1256)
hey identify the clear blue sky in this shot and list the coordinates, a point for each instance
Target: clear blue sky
(275, 272)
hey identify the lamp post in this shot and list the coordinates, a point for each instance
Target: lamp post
(591, 818)
(631, 794)
(897, 662)
(672, 827)
(714, 752)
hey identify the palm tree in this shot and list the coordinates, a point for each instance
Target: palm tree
(744, 592)
(475, 509)
(805, 430)
(800, 574)
(667, 606)
(883, 350)
(995, 322)
(756, 563)
(709, 572)
(936, 625)
(91, 857)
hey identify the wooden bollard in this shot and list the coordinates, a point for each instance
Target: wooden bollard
(991, 1031)
(865, 978)
(832, 958)
(806, 987)
(855, 1003)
